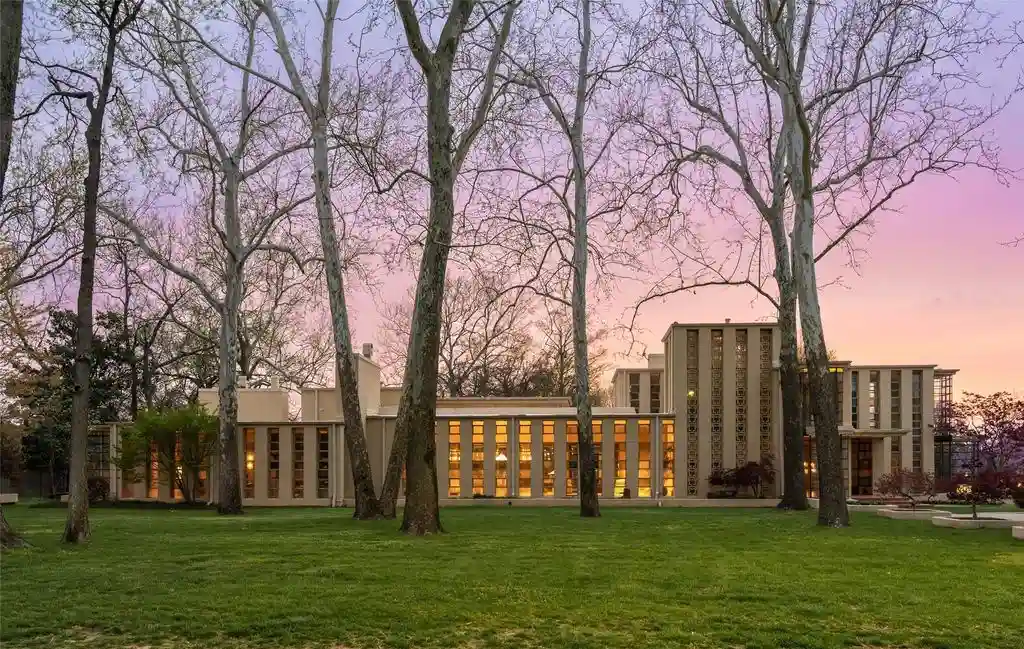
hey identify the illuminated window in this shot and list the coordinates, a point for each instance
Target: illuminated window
(837, 385)
(501, 459)
(176, 482)
(655, 391)
(298, 462)
(620, 458)
(572, 458)
(717, 351)
(855, 399)
(810, 468)
(895, 417)
(634, 392)
(874, 412)
(548, 457)
(668, 459)
(323, 463)
(597, 457)
(153, 476)
(273, 462)
(250, 462)
(525, 458)
(741, 397)
(692, 381)
(766, 393)
(478, 458)
(454, 459)
(643, 485)
(915, 419)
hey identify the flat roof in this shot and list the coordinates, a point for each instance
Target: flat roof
(524, 412)
(719, 325)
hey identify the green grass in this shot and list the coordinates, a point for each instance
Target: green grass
(510, 578)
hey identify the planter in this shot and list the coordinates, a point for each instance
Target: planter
(968, 523)
(1018, 532)
(919, 514)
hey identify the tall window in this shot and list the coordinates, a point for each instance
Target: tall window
(153, 475)
(597, 457)
(454, 459)
(525, 458)
(478, 458)
(572, 458)
(250, 462)
(837, 381)
(634, 392)
(766, 393)
(620, 458)
(273, 462)
(548, 457)
(298, 463)
(668, 459)
(655, 391)
(895, 417)
(692, 381)
(323, 463)
(643, 483)
(810, 468)
(741, 397)
(915, 421)
(501, 459)
(874, 412)
(716, 398)
(855, 399)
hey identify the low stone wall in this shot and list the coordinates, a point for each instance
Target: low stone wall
(968, 523)
(1018, 532)
(922, 514)
(725, 503)
(8, 499)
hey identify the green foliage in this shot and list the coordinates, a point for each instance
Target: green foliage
(180, 440)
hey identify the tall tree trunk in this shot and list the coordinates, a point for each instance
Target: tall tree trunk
(589, 506)
(832, 511)
(9, 539)
(418, 407)
(794, 495)
(77, 527)
(229, 484)
(366, 504)
(11, 12)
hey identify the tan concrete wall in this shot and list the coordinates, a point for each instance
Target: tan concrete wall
(254, 404)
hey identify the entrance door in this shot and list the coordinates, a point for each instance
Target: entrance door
(862, 473)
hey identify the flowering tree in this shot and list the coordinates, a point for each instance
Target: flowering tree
(995, 422)
(912, 485)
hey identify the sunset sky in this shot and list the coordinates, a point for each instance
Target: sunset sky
(936, 286)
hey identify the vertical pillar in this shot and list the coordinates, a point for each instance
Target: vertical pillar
(560, 460)
(632, 456)
(513, 458)
(728, 397)
(704, 410)
(311, 449)
(847, 398)
(907, 415)
(608, 458)
(879, 460)
(490, 450)
(537, 461)
(645, 392)
(441, 442)
(284, 473)
(466, 451)
(928, 421)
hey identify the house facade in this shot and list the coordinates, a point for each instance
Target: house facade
(711, 401)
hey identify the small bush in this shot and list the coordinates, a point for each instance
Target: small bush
(99, 489)
(1018, 497)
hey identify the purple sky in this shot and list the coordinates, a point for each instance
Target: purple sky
(935, 286)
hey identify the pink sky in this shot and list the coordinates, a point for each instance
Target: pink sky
(936, 286)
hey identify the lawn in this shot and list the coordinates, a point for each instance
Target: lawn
(509, 578)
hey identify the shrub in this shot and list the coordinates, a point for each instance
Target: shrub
(1018, 497)
(752, 476)
(912, 485)
(99, 489)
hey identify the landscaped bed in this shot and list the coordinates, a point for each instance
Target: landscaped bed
(522, 578)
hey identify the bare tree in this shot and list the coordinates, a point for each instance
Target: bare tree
(103, 23)
(414, 430)
(235, 147)
(318, 105)
(11, 13)
(871, 98)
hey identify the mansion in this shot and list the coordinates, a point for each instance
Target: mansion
(711, 401)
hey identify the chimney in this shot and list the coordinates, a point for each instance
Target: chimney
(275, 383)
(728, 320)
(243, 382)
(368, 351)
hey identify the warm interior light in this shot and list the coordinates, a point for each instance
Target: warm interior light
(691, 393)
(250, 465)
(250, 457)
(500, 457)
